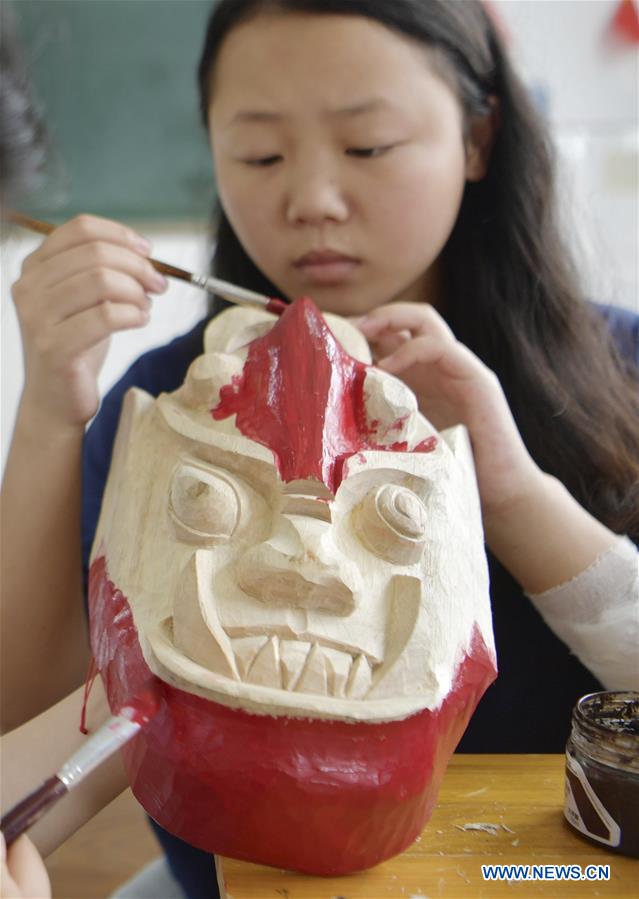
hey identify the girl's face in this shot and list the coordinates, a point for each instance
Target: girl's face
(340, 158)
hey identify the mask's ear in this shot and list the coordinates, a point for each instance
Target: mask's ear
(479, 143)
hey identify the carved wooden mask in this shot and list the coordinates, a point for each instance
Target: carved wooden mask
(294, 539)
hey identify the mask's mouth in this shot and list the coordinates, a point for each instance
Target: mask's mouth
(277, 649)
(273, 670)
(302, 666)
(305, 671)
(294, 663)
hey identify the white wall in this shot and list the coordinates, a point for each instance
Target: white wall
(589, 87)
(588, 83)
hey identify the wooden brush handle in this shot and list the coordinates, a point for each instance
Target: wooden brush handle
(25, 221)
(23, 815)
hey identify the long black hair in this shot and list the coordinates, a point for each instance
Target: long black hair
(511, 291)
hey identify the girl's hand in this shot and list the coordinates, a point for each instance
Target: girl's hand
(86, 281)
(23, 873)
(453, 386)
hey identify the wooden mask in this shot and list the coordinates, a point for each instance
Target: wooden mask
(297, 556)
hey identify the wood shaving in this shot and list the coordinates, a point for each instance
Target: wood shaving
(480, 825)
(476, 792)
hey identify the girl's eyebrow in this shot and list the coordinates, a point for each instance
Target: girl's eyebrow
(366, 106)
(249, 116)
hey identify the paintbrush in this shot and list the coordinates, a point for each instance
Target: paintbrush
(96, 749)
(225, 289)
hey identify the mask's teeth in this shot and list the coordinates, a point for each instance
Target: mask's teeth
(302, 667)
(265, 669)
(245, 649)
(360, 680)
(293, 655)
(314, 678)
(339, 666)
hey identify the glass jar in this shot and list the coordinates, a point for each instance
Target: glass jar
(602, 771)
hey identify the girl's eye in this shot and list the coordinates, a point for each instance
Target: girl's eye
(368, 152)
(263, 161)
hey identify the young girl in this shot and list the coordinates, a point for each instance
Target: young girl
(384, 159)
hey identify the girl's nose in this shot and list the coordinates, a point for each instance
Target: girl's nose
(314, 198)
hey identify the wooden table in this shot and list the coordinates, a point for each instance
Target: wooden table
(521, 794)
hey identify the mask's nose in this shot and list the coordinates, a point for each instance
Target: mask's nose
(287, 570)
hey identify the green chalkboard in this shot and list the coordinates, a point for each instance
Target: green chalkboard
(116, 82)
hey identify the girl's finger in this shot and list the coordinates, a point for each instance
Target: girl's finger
(81, 332)
(387, 343)
(101, 255)
(27, 869)
(452, 358)
(87, 229)
(420, 319)
(91, 289)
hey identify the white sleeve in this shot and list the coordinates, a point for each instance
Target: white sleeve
(596, 614)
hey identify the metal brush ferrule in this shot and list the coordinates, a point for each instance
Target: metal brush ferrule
(107, 740)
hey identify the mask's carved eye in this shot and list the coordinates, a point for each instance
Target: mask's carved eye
(204, 507)
(391, 522)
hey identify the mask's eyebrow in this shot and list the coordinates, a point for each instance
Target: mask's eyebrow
(257, 116)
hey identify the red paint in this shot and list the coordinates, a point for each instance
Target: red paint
(427, 445)
(301, 395)
(625, 21)
(92, 673)
(316, 796)
(143, 707)
(276, 306)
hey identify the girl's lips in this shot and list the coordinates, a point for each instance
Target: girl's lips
(326, 267)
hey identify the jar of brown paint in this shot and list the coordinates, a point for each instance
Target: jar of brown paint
(602, 771)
